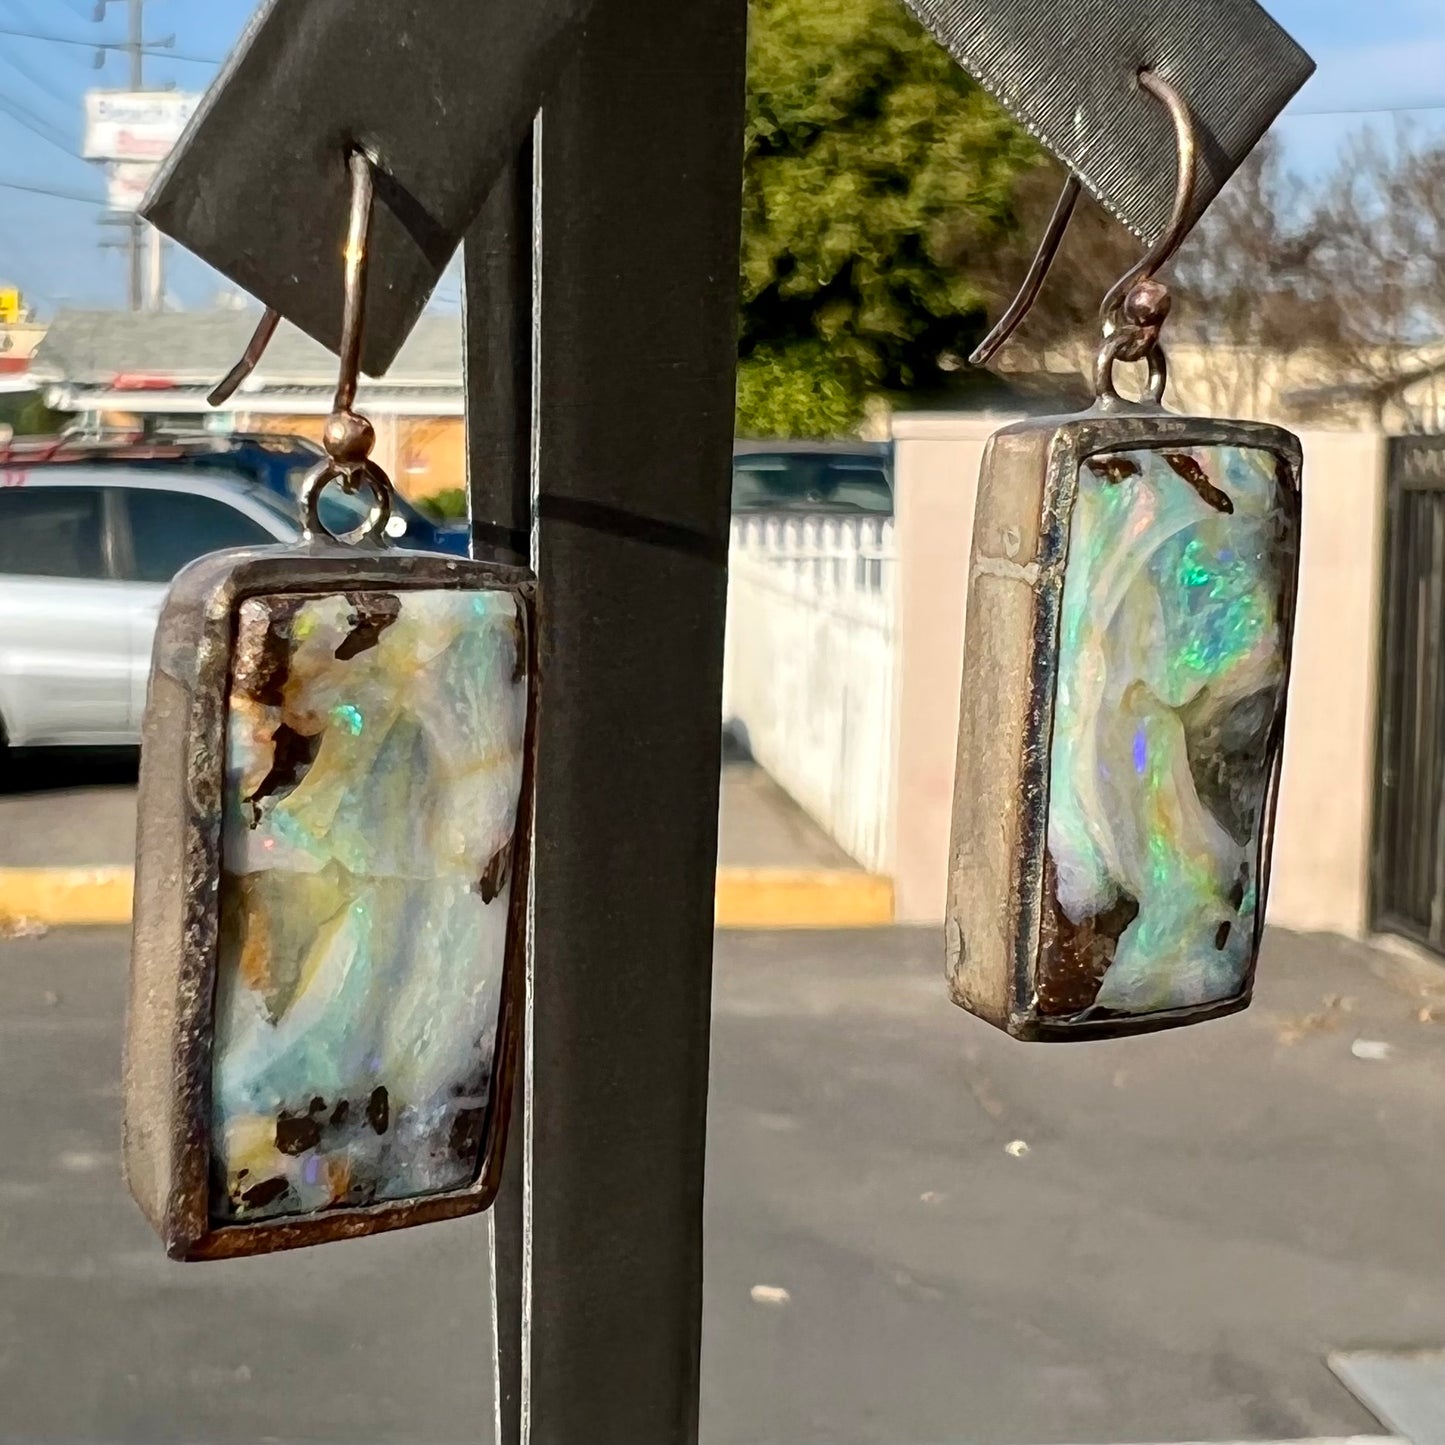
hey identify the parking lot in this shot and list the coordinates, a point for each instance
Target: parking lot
(918, 1230)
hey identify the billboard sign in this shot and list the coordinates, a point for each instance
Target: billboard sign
(126, 183)
(135, 125)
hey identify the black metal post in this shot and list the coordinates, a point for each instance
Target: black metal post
(497, 306)
(641, 150)
(497, 310)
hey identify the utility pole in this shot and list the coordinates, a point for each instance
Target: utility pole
(145, 281)
(135, 48)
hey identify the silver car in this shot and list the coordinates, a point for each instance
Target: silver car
(86, 555)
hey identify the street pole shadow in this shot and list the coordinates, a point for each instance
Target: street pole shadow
(28, 771)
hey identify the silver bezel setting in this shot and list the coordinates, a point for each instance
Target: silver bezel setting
(1027, 488)
(170, 1019)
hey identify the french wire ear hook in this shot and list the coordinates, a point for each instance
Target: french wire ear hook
(1137, 305)
(225, 389)
(363, 189)
(358, 237)
(1158, 254)
(1033, 283)
(1180, 218)
(348, 437)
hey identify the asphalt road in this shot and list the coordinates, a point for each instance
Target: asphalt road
(1199, 1217)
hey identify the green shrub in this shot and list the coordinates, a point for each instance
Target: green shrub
(449, 505)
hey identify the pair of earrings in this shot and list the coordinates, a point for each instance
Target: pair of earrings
(336, 796)
(1130, 609)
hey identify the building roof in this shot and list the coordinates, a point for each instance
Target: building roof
(90, 349)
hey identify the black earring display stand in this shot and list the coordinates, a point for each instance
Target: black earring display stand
(600, 296)
(441, 92)
(498, 260)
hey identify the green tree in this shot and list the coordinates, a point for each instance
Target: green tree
(27, 415)
(874, 167)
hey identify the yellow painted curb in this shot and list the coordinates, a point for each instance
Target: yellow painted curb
(802, 898)
(746, 897)
(65, 895)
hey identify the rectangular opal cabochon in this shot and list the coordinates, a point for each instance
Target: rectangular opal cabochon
(1173, 657)
(374, 751)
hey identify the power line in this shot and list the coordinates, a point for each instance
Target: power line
(36, 126)
(167, 54)
(1366, 110)
(34, 115)
(24, 15)
(51, 191)
(161, 50)
(39, 81)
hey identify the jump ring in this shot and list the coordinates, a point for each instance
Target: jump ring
(351, 476)
(1115, 349)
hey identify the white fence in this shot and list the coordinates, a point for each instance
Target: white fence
(810, 668)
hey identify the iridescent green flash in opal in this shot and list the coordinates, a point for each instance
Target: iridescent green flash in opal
(373, 769)
(1171, 674)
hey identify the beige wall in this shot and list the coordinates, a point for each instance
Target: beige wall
(1322, 845)
(936, 477)
(422, 455)
(430, 454)
(1322, 842)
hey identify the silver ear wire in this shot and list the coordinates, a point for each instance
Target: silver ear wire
(348, 437)
(1181, 217)
(363, 190)
(1038, 271)
(1158, 255)
(250, 358)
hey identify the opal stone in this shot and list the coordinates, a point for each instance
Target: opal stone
(1173, 659)
(374, 747)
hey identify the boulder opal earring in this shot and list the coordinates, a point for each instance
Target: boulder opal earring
(331, 885)
(1131, 604)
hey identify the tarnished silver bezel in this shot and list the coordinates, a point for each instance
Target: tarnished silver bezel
(1027, 487)
(170, 1018)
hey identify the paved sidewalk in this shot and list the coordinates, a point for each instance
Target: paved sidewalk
(67, 840)
(760, 826)
(68, 808)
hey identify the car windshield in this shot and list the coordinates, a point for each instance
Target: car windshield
(281, 508)
(817, 482)
(261, 496)
(278, 507)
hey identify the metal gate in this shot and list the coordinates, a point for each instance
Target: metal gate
(1407, 893)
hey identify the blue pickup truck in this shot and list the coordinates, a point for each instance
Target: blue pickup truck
(277, 463)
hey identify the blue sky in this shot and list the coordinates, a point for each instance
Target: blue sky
(1371, 53)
